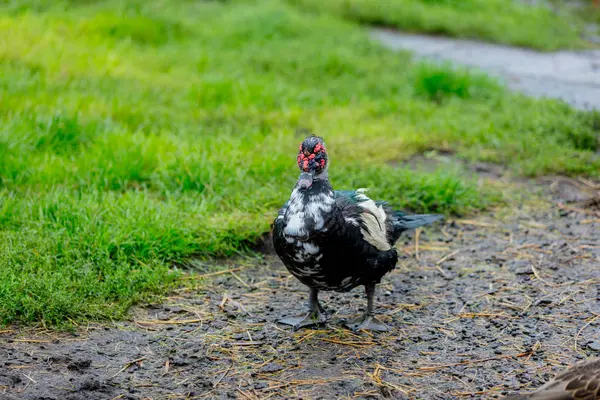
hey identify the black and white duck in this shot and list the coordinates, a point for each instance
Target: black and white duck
(580, 382)
(337, 240)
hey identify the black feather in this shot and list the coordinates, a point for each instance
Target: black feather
(414, 221)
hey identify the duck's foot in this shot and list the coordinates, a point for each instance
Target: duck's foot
(367, 322)
(313, 318)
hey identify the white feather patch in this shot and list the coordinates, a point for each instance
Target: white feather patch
(297, 213)
(352, 221)
(295, 225)
(311, 248)
(374, 218)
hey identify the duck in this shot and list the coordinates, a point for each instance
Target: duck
(579, 382)
(337, 240)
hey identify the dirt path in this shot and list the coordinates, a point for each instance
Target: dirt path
(568, 75)
(490, 306)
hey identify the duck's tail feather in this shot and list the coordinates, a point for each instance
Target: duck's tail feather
(405, 222)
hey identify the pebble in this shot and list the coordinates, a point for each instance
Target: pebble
(594, 345)
(271, 367)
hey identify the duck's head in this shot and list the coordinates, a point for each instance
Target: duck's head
(312, 161)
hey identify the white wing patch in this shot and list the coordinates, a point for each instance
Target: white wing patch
(374, 218)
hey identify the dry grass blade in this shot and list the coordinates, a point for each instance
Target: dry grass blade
(417, 237)
(31, 341)
(443, 366)
(225, 271)
(475, 223)
(255, 343)
(168, 322)
(587, 182)
(537, 275)
(348, 342)
(578, 210)
(473, 315)
(446, 257)
(246, 395)
(581, 330)
(222, 376)
(240, 280)
(376, 378)
(129, 364)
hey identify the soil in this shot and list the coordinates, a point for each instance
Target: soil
(478, 309)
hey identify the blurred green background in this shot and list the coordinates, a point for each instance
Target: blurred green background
(138, 134)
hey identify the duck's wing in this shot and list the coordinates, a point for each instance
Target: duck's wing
(281, 213)
(278, 239)
(580, 382)
(359, 210)
(380, 224)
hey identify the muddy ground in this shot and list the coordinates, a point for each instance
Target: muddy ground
(481, 308)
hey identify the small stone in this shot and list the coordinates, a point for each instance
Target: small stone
(271, 367)
(594, 345)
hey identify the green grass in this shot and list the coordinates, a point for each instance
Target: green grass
(137, 135)
(499, 21)
(586, 11)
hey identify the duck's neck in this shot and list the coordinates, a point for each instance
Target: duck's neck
(310, 209)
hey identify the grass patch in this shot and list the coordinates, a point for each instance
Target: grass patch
(123, 153)
(439, 82)
(139, 29)
(499, 21)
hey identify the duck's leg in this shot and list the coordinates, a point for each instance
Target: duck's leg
(368, 321)
(314, 317)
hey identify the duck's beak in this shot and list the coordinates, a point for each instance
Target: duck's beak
(305, 180)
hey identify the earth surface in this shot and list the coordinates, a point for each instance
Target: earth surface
(478, 308)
